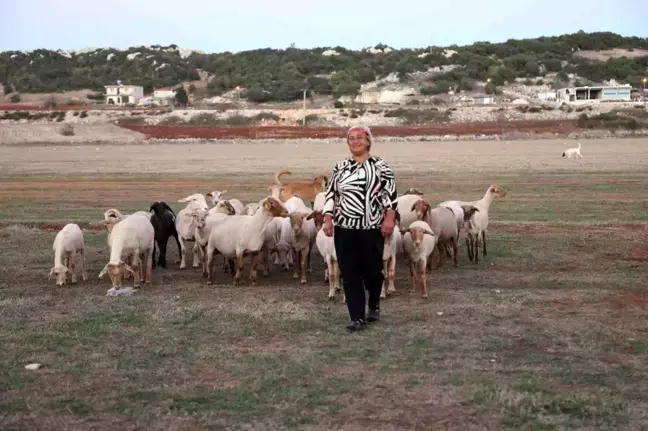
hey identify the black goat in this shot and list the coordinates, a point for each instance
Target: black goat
(163, 221)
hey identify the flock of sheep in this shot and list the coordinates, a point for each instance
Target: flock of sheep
(281, 227)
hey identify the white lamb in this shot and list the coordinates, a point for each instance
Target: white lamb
(297, 235)
(392, 245)
(404, 206)
(185, 225)
(203, 222)
(132, 237)
(214, 197)
(238, 235)
(239, 207)
(67, 243)
(418, 242)
(326, 247)
(573, 152)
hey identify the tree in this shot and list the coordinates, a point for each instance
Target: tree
(181, 97)
(192, 89)
(7, 89)
(15, 98)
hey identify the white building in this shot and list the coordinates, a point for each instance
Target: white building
(483, 99)
(164, 96)
(120, 95)
(602, 93)
(549, 95)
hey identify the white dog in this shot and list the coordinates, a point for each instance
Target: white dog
(569, 152)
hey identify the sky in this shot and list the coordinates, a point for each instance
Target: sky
(222, 25)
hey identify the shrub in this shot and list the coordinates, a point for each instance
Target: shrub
(418, 116)
(338, 105)
(15, 98)
(67, 130)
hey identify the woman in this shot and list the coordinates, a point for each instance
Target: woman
(361, 202)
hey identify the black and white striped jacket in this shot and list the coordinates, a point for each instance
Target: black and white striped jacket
(358, 194)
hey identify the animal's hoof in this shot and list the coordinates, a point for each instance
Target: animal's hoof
(331, 297)
(209, 282)
(424, 296)
(177, 261)
(182, 267)
(204, 274)
(195, 265)
(295, 275)
(302, 281)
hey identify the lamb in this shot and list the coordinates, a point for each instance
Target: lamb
(112, 217)
(251, 208)
(444, 225)
(67, 243)
(418, 242)
(203, 222)
(134, 236)
(477, 224)
(214, 197)
(326, 247)
(573, 152)
(185, 225)
(239, 207)
(238, 235)
(392, 246)
(404, 205)
(298, 235)
(163, 221)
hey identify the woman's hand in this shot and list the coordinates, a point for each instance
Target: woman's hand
(388, 224)
(328, 225)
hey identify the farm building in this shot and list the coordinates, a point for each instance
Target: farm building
(483, 99)
(164, 96)
(602, 93)
(121, 95)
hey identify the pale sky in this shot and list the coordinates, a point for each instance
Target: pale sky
(238, 25)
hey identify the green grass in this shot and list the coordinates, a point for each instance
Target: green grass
(545, 333)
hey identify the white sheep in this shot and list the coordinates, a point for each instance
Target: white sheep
(203, 222)
(297, 235)
(251, 208)
(320, 198)
(214, 197)
(418, 242)
(477, 224)
(276, 191)
(326, 247)
(573, 152)
(239, 207)
(67, 243)
(444, 225)
(185, 226)
(132, 237)
(113, 216)
(237, 235)
(392, 245)
(404, 206)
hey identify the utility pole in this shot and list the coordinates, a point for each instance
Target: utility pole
(304, 109)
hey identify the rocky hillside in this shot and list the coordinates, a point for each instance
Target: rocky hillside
(280, 75)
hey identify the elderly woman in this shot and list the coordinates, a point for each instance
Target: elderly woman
(361, 203)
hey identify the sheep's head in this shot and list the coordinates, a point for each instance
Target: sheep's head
(469, 211)
(198, 217)
(421, 208)
(274, 207)
(215, 196)
(417, 234)
(61, 273)
(497, 190)
(413, 191)
(252, 208)
(318, 218)
(225, 207)
(116, 272)
(195, 201)
(297, 222)
(111, 218)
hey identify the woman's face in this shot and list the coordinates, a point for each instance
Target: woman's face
(358, 142)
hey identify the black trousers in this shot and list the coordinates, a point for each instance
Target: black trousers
(360, 254)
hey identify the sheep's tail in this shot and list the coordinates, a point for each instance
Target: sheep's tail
(278, 175)
(563, 155)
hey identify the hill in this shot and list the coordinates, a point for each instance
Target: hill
(280, 75)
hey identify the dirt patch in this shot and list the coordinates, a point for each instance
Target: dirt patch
(543, 228)
(562, 127)
(637, 254)
(623, 300)
(606, 54)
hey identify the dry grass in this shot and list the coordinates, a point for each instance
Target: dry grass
(606, 54)
(548, 333)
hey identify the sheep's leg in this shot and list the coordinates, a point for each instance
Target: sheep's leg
(448, 250)
(455, 251)
(149, 267)
(197, 258)
(484, 241)
(239, 268)
(308, 255)
(327, 272)
(331, 281)
(296, 260)
(253, 267)
(183, 252)
(477, 242)
(163, 250)
(84, 265)
(391, 274)
(209, 263)
(336, 279)
(135, 264)
(303, 264)
(266, 259)
(383, 291)
(175, 235)
(232, 269)
(72, 267)
(412, 275)
(441, 249)
(154, 244)
(423, 281)
(469, 247)
(226, 266)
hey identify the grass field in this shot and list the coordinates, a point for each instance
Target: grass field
(549, 332)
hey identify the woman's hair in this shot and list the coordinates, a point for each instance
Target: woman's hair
(367, 132)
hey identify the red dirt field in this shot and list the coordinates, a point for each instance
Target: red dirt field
(562, 127)
(32, 107)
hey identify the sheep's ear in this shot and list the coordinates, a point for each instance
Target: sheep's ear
(413, 206)
(209, 195)
(267, 205)
(223, 192)
(129, 269)
(312, 215)
(427, 232)
(404, 231)
(103, 271)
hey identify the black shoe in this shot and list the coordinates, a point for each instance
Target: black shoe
(373, 316)
(356, 325)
